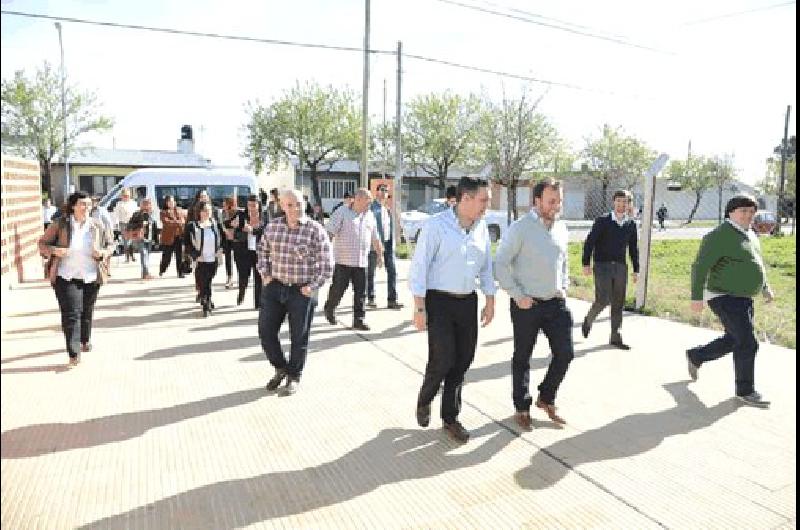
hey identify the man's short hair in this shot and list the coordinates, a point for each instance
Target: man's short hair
(742, 200)
(622, 193)
(538, 189)
(347, 195)
(469, 186)
(451, 192)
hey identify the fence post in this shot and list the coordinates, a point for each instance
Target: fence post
(647, 228)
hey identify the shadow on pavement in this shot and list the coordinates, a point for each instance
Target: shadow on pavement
(45, 438)
(32, 355)
(55, 368)
(393, 456)
(689, 414)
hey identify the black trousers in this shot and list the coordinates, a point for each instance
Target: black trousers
(343, 275)
(555, 320)
(204, 272)
(227, 248)
(166, 256)
(452, 338)
(76, 301)
(279, 301)
(246, 265)
(610, 286)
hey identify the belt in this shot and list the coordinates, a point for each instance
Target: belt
(452, 295)
(289, 284)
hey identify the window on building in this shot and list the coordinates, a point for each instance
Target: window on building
(98, 184)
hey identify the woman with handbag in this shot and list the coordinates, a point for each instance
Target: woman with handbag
(77, 247)
(173, 220)
(205, 246)
(247, 228)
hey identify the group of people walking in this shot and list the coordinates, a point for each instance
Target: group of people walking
(290, 257)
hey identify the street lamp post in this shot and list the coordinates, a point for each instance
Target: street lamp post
(64, 112)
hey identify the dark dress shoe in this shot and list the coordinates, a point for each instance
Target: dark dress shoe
(585, 329)
(423, 415)
(456, 431)
(394, 305)
(371, 304)
(330, 317)
(617, 343)
(240, 298)
(276, 380)
(360, 326)
(550, 409)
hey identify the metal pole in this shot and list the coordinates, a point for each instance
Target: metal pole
(64, 112)
(784, 147)
(383, 132)
(647, 228)
(365, 103)
(398, 169)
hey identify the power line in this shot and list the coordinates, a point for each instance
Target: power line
(318, 46)
(737, 13)
(554, 26)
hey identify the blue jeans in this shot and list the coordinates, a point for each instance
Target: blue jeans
(144, 256)
(391, 273)
(278, 300)
(736, 315)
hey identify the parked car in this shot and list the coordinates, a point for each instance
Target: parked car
(411, 221)
(765, 222)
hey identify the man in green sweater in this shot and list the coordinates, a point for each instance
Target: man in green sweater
(727, 273)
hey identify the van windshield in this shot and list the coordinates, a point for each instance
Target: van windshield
(111, 195)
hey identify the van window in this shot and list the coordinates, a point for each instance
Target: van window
(184, 195)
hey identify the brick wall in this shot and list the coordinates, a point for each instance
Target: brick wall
(21, 216)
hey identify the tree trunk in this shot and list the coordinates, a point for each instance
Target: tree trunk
(719, 213)
(513, 198)
(509, 201)
(315, 184)
(45, 172)
(699, 195)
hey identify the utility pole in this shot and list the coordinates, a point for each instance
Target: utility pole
(64, 112)
(398, 168)
(383, 137)
(365, 103)
(784, 147)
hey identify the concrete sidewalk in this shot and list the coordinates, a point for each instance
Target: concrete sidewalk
(166, 424)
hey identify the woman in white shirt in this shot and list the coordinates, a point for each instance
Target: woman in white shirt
(205, 246)
(77, 246)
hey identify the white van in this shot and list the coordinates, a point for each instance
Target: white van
(183, 184)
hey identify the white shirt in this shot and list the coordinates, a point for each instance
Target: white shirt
(79, 264)
(124, 210)
(619, 221)
(387, 226)
(207, 254)
(251, 242)
(48, 212)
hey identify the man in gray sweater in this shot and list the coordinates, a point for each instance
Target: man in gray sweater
(531, 265)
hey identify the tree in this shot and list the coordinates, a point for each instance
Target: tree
(723, 173)
(617, 157)
(442, 131)
(697, 173)
(33, 118)
(515, 139)
(316, 125)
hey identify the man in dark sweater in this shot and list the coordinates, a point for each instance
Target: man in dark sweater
(727, 273)
(610, 236)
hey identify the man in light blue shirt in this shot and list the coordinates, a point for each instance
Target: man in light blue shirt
(453, 251)
(531, 264)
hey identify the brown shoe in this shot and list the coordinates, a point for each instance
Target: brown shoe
(456, 431)
(550, 409)
(523, 419)
(86, 346)
(73, 361)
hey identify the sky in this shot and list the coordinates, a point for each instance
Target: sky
(718, 73)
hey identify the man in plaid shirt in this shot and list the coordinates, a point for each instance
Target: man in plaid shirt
(295, 259)
(354, 231)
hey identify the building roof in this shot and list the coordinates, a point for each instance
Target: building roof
(137, 157)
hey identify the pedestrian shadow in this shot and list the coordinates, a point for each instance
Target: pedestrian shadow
(202, 347)
(31, 355)
(623, 438)
(510, 338)
(394, 455)
(46, 438)
(55, 368)
(502, 369)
